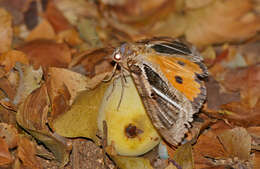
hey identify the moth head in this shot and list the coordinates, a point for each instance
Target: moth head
(123, 53)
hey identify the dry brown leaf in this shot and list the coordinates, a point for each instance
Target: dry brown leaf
(207, 146)
(174, 20)
(216, 97)
(9, 134)
(5, 156)
(60, 102)
(237, 143)
(250, 52)
(222, 21)
(15, 8)
(8, 89)
(29, 79)
(9, 59)
(94, 61)
(256, 162)
(47, 53)
(27, 154)
(58, 77)
(73, 10)
(130, 11)
(56, 18)
(134, 21)
(241, 114)
(183, 156)
(6, 31)
(70, 36)
(246, 80)
(37, 32)
(32, 113)
(7, 115)
(33, 117)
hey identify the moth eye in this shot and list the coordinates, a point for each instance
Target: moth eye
(117, 57)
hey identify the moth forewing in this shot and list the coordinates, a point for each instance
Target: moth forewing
(169, 110)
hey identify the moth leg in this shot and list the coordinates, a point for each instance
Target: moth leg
(123, 81)
(113, 87)
(111, 75)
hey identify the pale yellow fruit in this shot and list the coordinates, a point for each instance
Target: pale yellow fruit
(130, 130)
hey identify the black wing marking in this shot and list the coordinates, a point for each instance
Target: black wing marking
(171, 48)
(175, 48)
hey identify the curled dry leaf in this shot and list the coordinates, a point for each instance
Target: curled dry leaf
(6, 31)
(27, 154)
(236, 17)
(237, 143)
(58, 77)
(47, 53)
(94, 61)
(33, 117)
(8, 89)
(32, 113)
(5, 156)
(9, 134)
(29, 80)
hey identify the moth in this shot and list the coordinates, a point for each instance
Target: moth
(168, 75)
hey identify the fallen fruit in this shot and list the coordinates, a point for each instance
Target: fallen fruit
(129, 129)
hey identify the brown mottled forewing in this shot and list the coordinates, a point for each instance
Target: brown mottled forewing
(171, 122)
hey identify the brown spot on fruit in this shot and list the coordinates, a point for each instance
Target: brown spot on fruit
(132, 131)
